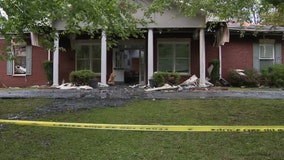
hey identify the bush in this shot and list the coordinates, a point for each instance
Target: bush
(249, 78)
(273, 76)
(252, 79)
(82, 77)
(48, 69)
(160, 78)
(215, 74)
(235, 78)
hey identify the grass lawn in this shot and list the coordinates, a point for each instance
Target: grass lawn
(30, 142)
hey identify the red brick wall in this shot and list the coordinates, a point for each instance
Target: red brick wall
(66, 65)
(237, 55)
(38, 76)
(195, 57)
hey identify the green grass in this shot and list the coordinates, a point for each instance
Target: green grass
(29, 142)
(12, 107)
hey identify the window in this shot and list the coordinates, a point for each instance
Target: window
(88, 57)
(20, 59)
(21, 63)
(266, 53)
(174, 55)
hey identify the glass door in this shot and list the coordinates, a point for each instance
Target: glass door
(129, 66)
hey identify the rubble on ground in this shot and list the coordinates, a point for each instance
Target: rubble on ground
(191, 83)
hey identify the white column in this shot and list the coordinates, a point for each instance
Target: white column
(56, 61)
(150, 54)
(48, 55)
(103, 59)
(220, 61)
(202, 58)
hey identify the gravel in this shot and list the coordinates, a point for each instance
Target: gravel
(115, 96)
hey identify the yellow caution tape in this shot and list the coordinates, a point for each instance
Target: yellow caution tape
(175, 128)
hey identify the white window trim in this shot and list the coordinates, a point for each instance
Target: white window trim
(264, 46)
(13, 66)
(179, 41)
(87, 42)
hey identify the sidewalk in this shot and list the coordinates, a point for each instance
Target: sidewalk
(137, 93)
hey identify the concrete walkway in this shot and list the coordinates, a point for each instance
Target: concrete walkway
(130, 93)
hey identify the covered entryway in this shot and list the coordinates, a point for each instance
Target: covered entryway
(129, 62)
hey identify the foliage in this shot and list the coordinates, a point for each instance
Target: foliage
(48, 69)
(249, 78)
(114, 17)
(252, 79)
(82, 77)
(160, 78)
(235, 78)
(229, 10)
(215, 74)
(64, 143)
(275, 16)
(273, 75)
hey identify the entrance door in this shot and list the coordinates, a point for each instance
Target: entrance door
(129, 65)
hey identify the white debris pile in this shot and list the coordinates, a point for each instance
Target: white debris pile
(164, 87)
(83, 87)
(190, 83)
(20, 69)
(241, 72)
(72, 86)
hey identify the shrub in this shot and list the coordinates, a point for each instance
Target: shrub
(235, 78)
(249, 78)
(48, 69)
(252, 79)
(82, 77)
(215, 74)
(160, 78)
(273, 76)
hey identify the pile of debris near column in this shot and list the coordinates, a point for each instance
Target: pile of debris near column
(190, 83)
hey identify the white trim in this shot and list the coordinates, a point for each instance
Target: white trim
(264, 46)
(150, 55)
(56, 61)
(14, 65)
(48, 55)
(103, 59)
(175, 41)
(220, 61)
(202, 59)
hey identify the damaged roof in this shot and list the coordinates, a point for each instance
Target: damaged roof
(254, 27)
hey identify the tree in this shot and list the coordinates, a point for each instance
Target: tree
(274, 16)
(226, 10)
(115, 17)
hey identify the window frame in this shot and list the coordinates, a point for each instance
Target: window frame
(15, 58)
(264, 45)
(175, 41)
(10, 70)
(263, 61)
(89, 43)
